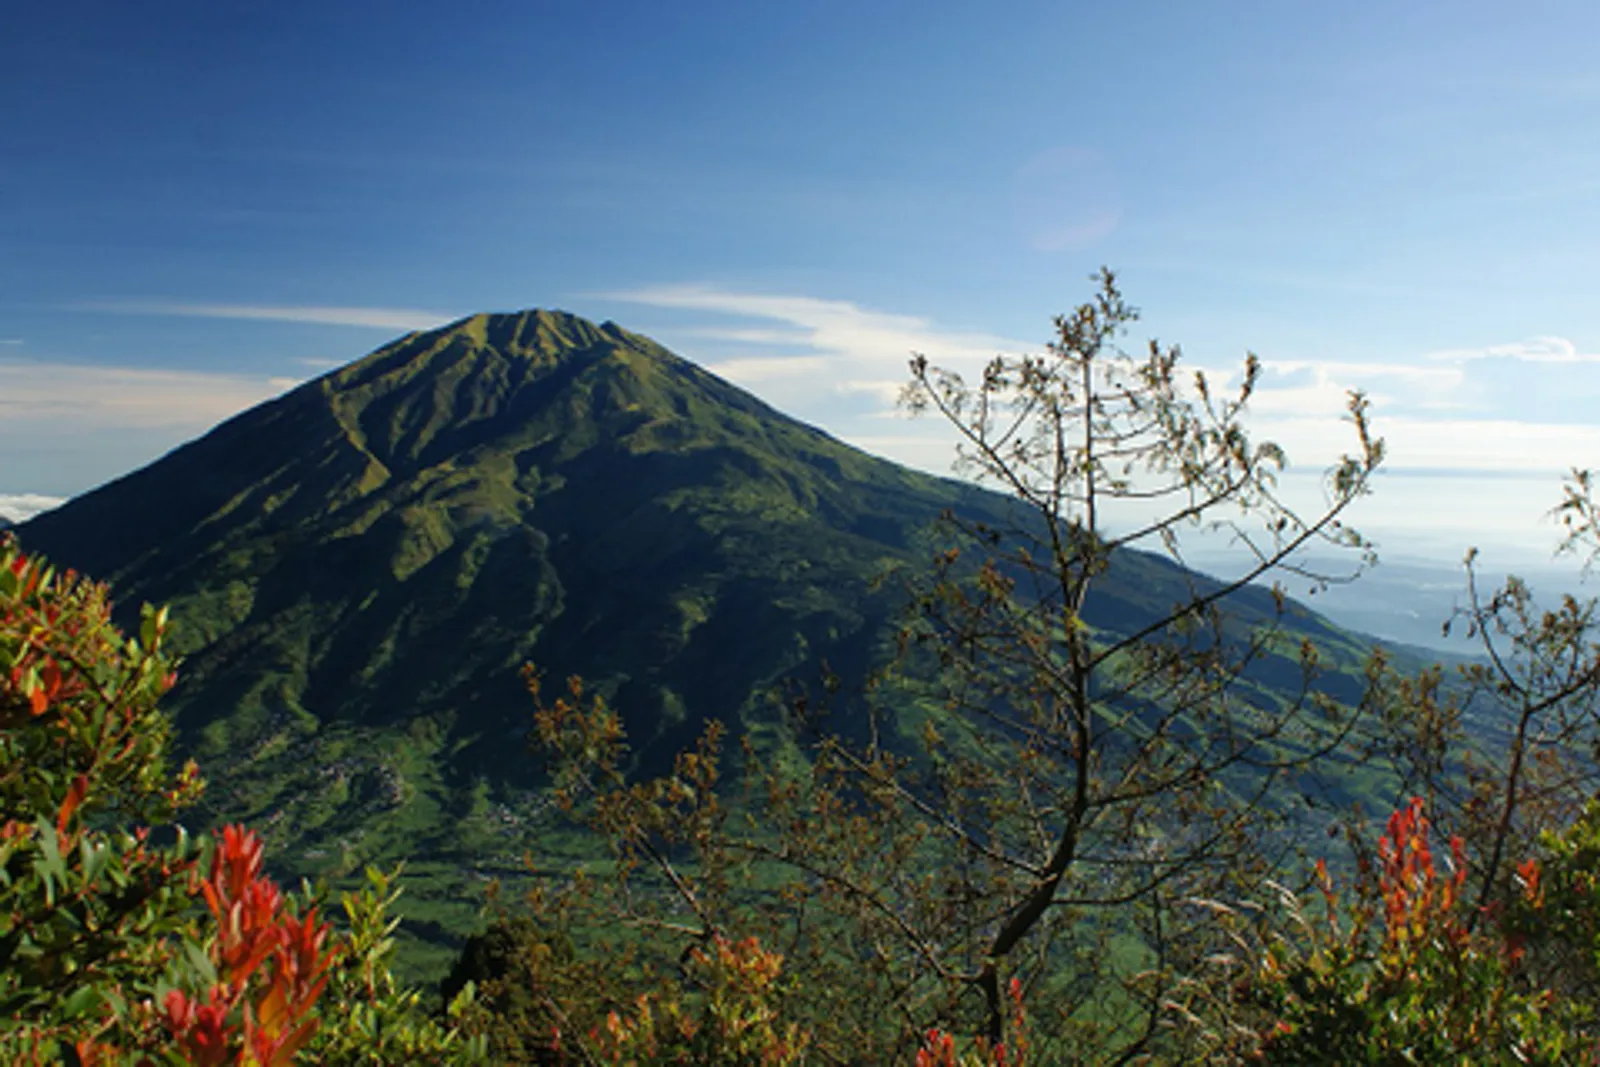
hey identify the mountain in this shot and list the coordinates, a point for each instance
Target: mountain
(359, 568)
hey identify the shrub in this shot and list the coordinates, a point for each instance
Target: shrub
(732, 1022)
(88, 908)
(122, 940)
(1406, 970)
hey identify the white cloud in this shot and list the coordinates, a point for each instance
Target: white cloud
(97, 397)
(789, 338)
(887, 392)
(1392, 375)
(833, 327)
(1438, 444)
(849, 353)
(760, 370)
(1491, 444)
(852, 352)
(19, 507)
(13, 341)
(1543, 349)
(1476, 447)
(371, 318)
(1437, 413)
(1310, 388)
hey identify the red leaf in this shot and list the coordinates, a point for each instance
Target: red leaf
(75, 795)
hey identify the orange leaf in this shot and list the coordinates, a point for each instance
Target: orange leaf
(50, 675)
(75, 795)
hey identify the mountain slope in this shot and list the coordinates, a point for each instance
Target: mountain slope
(359, 568)
(460, 490)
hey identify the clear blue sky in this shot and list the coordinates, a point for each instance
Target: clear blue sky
(203, 203)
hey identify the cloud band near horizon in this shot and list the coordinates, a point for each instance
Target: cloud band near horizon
(312, 315)
(823, 359)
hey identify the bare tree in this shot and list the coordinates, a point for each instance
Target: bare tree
(1119, 766)
(1506, 747)
(1046, 785)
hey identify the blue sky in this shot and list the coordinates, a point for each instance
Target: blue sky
(201, 204)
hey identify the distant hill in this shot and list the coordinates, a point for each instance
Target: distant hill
(359, 568)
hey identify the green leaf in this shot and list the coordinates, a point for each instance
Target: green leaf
(199, 962)
(94, 858)
(80, 1002)
(48, 864)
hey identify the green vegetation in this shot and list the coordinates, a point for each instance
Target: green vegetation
(1054, 799)
(122, 940)
(1404, 971)
(358, 570)
(1107, 824)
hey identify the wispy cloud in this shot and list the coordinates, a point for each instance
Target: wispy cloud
(845, 350)
(96, 397)
(13, 341)
(1483, 434)
(834, 326)
(368, 318)
(1435, 416)
(751, 336)
(1492, 444)
(1438, 444)
(1309, 388)
(767, 370)
(19, 507)
(1533, 350)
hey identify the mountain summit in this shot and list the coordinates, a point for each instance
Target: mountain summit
(393, 540)
(359, 568)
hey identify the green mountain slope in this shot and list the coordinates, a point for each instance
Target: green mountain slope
(359, 568)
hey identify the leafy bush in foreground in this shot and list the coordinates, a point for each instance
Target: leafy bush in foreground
(1403, 970)
(122, 940)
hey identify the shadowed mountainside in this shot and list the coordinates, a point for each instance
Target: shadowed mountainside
(359, 568)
